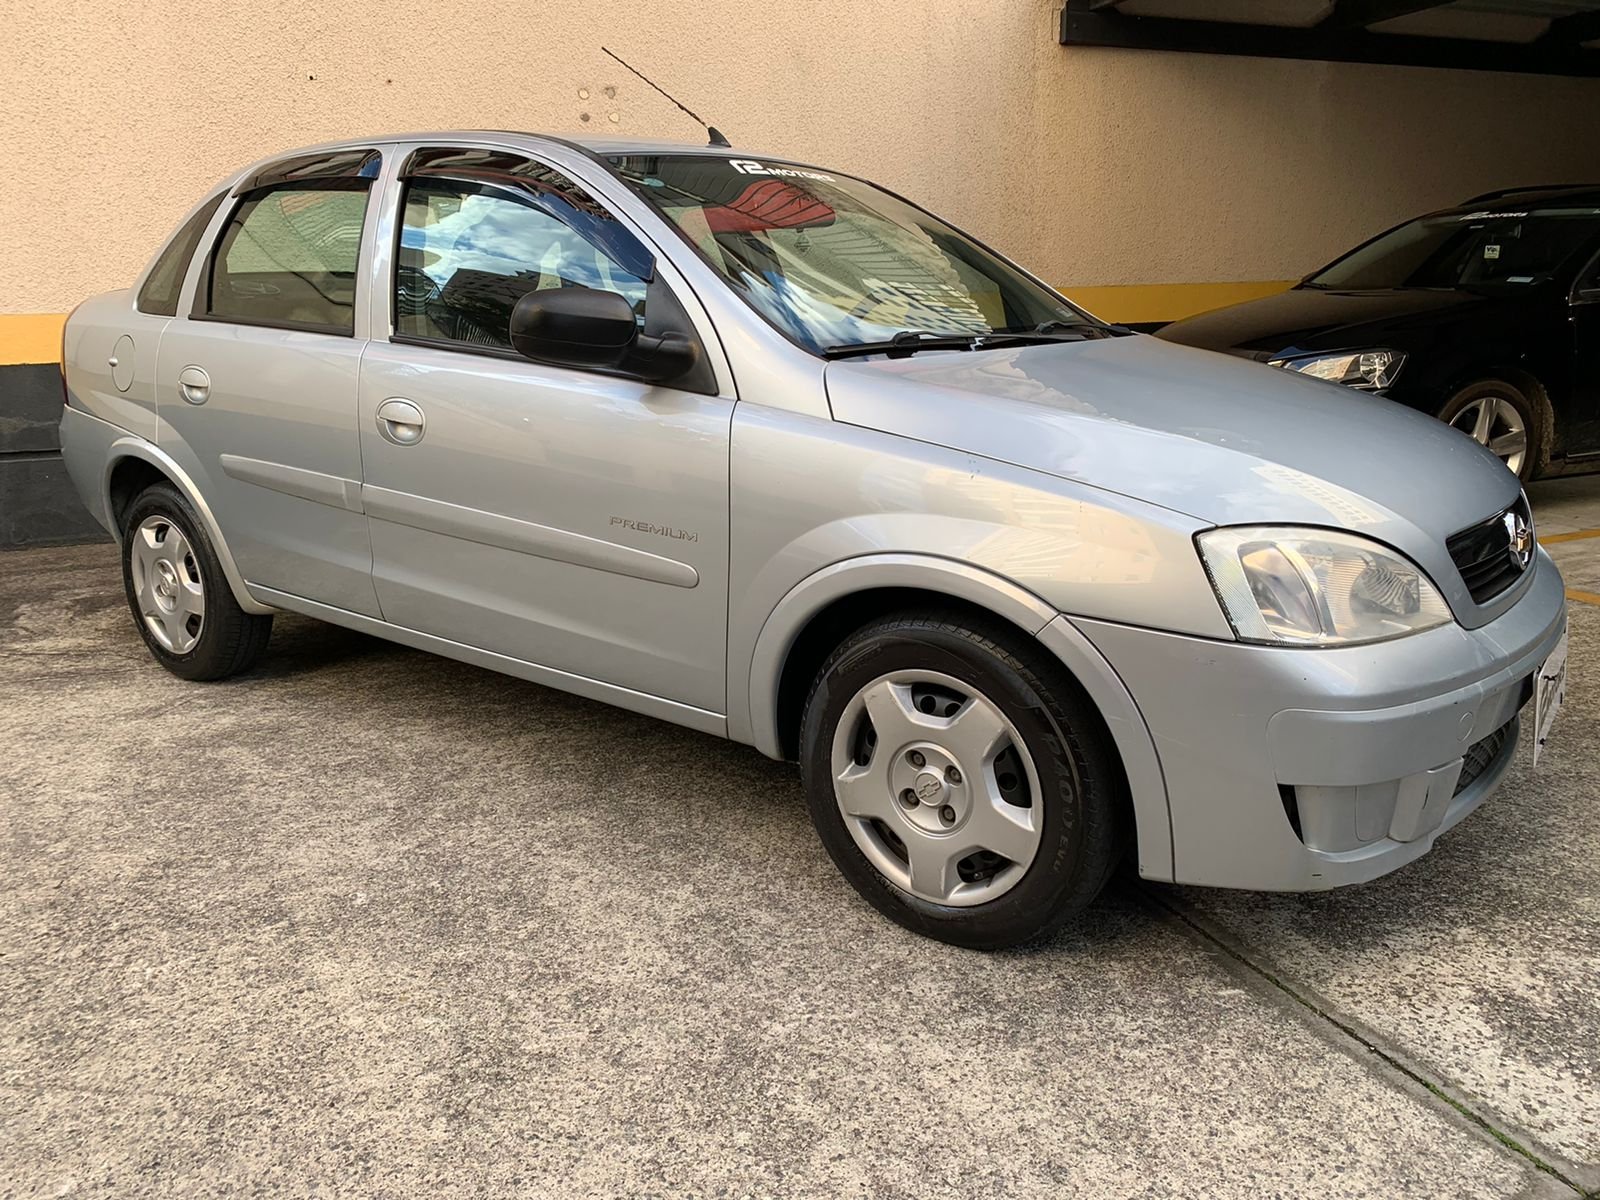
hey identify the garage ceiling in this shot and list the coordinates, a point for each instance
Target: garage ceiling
(1546, 37)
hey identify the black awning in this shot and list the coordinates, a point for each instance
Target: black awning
(1546, 37)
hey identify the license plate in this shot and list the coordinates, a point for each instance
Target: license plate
(1549, 690)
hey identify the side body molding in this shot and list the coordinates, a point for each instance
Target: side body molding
(332, 490)
(758, 723)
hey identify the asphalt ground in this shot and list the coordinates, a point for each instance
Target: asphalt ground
(366, 922)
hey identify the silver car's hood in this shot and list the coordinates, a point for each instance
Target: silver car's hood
(1223, 440)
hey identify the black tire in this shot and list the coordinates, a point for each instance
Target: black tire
(230, 639)
(1084, 793)
(1530, 408)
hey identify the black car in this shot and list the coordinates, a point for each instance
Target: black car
(1486, 315)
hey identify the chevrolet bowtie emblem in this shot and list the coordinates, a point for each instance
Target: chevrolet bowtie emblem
(1519, 538)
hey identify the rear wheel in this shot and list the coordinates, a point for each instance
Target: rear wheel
(1503, 419)
(961, 780)
(181, 601)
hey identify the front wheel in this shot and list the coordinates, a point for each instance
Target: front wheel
(1503, 419)
(961, 780)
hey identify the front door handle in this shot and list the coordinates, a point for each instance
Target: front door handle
(194, 385)
(401, 422)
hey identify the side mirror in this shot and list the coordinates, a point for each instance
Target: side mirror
(596, 329)
(574, 327)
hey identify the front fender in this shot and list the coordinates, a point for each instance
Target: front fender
(753, 715)
(753, 699)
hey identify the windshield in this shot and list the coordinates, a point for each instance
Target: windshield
(1496, 250)
(835, 262)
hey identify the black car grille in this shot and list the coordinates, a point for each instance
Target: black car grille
(1481, 756)
(1484, 554)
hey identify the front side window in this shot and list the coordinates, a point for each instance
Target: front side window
(1489, 250)
(288, 258)
(159, 293)
(470, 249)
(833, 261)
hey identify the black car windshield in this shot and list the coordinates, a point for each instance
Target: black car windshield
(834, 262)
(1492, 250)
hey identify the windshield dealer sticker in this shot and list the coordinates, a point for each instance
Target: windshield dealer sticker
(748, 166)
(1491, 251)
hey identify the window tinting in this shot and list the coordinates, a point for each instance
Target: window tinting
(469, 251)
(1485, 250)
(159, 295)
(288, 258)
(833, 261)
(1589, 278)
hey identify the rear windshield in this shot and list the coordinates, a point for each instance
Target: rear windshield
(833, 261)
(1492, 250)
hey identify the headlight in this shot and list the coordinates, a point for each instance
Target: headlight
(1313, 587)
(1369, 370)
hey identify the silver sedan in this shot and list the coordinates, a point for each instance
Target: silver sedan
(770, 452)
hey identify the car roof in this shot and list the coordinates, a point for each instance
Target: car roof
(600, 146)
(1524, 199)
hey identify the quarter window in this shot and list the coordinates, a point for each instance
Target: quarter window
(288, 258)
(159, 295)
(469, 251)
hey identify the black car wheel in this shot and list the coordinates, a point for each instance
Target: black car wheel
(961, 779)
(181, 601)
(1503, 418)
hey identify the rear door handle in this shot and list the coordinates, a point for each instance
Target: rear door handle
(401, 422)
(194, 385)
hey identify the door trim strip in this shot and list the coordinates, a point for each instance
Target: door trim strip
(524, 537)
(333, 490)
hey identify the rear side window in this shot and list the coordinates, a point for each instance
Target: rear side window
(159, 295)
(287, 258)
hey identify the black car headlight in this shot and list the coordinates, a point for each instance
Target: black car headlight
(1369, 370)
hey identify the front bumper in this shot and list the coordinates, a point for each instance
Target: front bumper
(1297, 770)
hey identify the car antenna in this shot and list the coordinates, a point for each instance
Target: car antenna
(712, 131)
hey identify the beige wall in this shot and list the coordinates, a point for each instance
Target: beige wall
(1095, 167)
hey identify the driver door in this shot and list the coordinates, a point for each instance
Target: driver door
(573, 519)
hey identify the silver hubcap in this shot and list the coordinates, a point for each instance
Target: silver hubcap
(166, 583)
(937, 788)
(1494, 421)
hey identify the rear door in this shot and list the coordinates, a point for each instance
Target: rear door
(256, 383)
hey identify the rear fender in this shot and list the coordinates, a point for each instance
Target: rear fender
(127, 446)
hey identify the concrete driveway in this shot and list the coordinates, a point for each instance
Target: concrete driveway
(371, 923)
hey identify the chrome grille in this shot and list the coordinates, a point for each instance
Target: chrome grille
(1488, 554)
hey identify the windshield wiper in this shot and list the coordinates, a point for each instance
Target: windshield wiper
(1099, 328)
(909, 341)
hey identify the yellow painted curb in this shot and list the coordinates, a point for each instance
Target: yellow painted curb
(1580, 535)
(1148, 303)
(30, 338)
(1582, 597)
